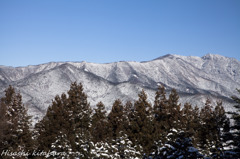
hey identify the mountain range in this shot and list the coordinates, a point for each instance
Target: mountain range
(195, 78)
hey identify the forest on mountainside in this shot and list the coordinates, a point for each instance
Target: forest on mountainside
(135, 129)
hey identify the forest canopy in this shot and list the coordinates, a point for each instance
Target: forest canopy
(135, 129)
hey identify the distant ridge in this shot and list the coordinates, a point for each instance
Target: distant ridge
(195, 78)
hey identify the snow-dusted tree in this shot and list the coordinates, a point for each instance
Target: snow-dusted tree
(99, 128)
(3, 127)
(160, 115)
(55, 121)
(182, 147)
(174, 112)
(118, 148)
(141, 124)
(213, 125)
(15, 125)
(167, 114)
(126, 149)
(206, 133)
(236, 127)
(61, 146)
(105, 150)
(67, 121)
(115, 119)
(221, 129)
(190, 121)
(128, 110)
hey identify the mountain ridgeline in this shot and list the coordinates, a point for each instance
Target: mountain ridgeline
(195, 79)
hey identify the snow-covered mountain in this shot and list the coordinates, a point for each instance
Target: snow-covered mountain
(195, 78)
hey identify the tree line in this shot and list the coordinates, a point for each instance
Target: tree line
(135, 129)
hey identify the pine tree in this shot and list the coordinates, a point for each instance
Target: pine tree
(67, 120)
(174, 110)
(105, 150)
(15, 127)
(99, 128)
(115, 119)
(160, 115)
(208, 131)
(80, 119)
(4, 126)
(236, 126)
(181, 148)
(61, 146)
(191, 122)
(126, 148)
(170, 117)
(222, 127)
(54, 122)
(187, 118)
(141, 124)
(209, 134)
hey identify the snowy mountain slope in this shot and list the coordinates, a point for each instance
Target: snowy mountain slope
(195, 78)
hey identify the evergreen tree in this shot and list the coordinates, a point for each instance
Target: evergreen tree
(167, 116)
(187, 119)
(236, 126)
(222, 127)
(115, 119)
(126, 148)
(68, 121)
(4, 126)
(174, 110)
(167, 113)
(105, 150)
(208, 133)
(216, 127)
(80, 119)
(61, 146)
(55, 122)
(128, 110)
(181, 148)
(15, 125)
(190, 121)
(99, 128)
(141, 124)
(160, 115)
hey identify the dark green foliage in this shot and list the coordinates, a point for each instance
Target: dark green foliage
(190, 121)
(99, 128)
(207, 128)
(174, 112)
(160, 115)
(141, 123)
(79, 116)
(15, 124)
(128, 131)
(181, 148)
(54, 123)
(213, 130)
(68, 121)
(222, 128)
(115, 119)
(236, 126)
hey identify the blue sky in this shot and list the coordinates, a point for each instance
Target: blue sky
(101, 31)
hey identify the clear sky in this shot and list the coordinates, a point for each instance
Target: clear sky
(101, 31)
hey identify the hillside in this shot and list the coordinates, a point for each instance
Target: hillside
(195, 78)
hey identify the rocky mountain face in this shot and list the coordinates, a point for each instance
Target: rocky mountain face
(195, 78)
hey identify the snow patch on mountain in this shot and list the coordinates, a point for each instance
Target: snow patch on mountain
(195, 78)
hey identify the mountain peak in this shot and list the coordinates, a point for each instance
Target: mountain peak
(208, 56)
(164, 56)
(212, 56)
